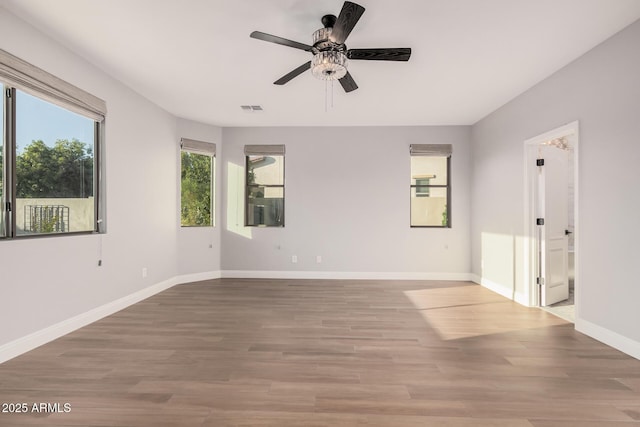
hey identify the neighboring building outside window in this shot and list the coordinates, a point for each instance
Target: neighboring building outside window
(430, 185)
(264, 190)
(197, 165)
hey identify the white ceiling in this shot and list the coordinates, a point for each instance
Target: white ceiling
(195, 59)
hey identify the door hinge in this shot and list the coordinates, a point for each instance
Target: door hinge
(8, 93)
(539, 162)
(539, 221)
(8, 207)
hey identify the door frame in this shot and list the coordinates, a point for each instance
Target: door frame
(530, 252)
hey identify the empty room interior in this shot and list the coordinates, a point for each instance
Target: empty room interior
(319, 213)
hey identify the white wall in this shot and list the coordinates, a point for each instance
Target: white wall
(347, 200)
(199, 247)
(47, 280)
(601, 90)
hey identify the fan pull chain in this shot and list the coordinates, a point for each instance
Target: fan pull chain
(332, 94)
(328, 96)
(326, 88)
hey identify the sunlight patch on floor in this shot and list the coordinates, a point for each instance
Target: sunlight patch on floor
(471, 311)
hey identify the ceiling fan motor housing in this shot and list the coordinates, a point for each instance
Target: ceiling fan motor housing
(329, 20)
(322, 41)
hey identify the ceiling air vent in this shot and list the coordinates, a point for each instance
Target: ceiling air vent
(251, 108)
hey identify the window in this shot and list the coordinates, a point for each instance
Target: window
(3, 213)
(197, 160)
(430, 185)
(264, 193)
(422, 185)
(50, 154)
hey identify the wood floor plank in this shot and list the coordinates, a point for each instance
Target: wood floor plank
(253, 352)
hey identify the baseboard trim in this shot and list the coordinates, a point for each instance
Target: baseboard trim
(50, 333)
(604, 335)
(613, 339)
(198, 277)
(505, 291)
(36, 339)
(29, 342)
(342, 275)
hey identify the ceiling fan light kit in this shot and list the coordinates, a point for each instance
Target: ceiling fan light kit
(329, 65)
(330, 54)
(329, 62)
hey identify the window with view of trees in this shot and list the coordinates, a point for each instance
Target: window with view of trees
(49, 162)
(430, 185)
(54, 168)
(197, 161)
(264, 185)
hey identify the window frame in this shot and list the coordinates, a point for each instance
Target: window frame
(212, 185)
(447, 185)
(9, 93)
(17, 74)
(247, 186)
(423, 185)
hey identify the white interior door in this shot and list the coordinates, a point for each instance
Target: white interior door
(554, 243)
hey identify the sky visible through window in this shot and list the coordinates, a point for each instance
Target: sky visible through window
(49, 123)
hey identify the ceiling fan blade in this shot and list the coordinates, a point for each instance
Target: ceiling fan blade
(348, 18)
(295, 73)
(397, 54)
(279, 40)
(348, 84)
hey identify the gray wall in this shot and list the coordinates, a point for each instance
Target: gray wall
(48, 280)
(601, 90)
(346, 199)
(199, 247)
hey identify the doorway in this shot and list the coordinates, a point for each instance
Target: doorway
(551, 220)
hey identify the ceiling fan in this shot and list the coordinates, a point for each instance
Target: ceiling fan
(330, 54)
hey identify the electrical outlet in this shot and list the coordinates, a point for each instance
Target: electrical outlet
(144, 272)
(318, 259)
(294, 258)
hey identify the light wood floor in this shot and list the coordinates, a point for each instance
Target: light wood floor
(326, 353)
